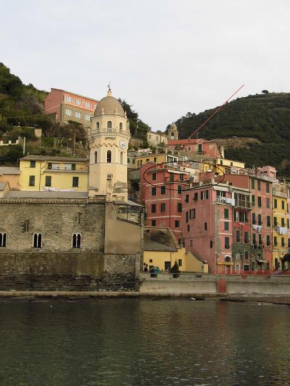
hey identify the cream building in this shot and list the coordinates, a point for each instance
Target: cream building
(109, 138)
(156, 139)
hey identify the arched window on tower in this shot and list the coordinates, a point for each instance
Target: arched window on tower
(3, 240)
(109, 125)
(77, 238)
(109, 156)
(37, 240)
(96, 157)
(122, 157)
(98, 125)
(121, 126)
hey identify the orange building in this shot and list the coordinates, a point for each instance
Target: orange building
(66, 106)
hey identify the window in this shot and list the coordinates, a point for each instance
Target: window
(121, 158)
(179, 207)
(3, 239)
(238, 236)
(155, 159)
(227, 243)
(49, 166)
(31, 180)
(171, 177)
(109, 156)
(282, 204)
(162, 207)
(191, 243)
(153, 223)
(177, 224)
(87, 117)
(162, 189)
(68, 112)
(259, 185)
(109, 124)
(253, 200)
(204, 195)
(259, 219)
(154, 177)
(187, 198)
(96, 157)
(153, 191)
(88, 105)
(260, 239)
(78, 102)
(153, 208)
(252, 183)
(192, 212)
(205, 226)
(211, 244)
(288, 243)
(121, 126)
(246, 237)
(254, 238)
(288, 223)
(98, 125)
(268, 221)
(68, 98)
(179, 189)
(73, 166)
(76, 240)
(199, 147)
(260, 202)
(195, 197)
(226, 213)
(275, 221)
(75, 182)
(268, 240)
(267, 187)
(180, 262)
(275, 203)
(275, 241)
(226, 226)
(37, 240)
(254, 218)
(268, 203)
(282, 242)
(78, 114)
(186, 217)
(32, 164)
(246, 255)
(48, 181)
(188, 228)
(282, 222)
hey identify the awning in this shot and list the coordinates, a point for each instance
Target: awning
(286, 257)
(225, 263)
(262, 261)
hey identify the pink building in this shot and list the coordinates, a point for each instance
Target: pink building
(161, 192)
(66, 106)
(198, 146)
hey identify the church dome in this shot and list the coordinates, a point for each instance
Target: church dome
(109, 106)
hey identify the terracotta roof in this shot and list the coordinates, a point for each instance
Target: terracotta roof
(153, 246)
(5, 170)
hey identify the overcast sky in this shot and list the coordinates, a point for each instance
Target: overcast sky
(164, 57)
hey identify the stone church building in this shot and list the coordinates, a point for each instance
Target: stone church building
(77, 240)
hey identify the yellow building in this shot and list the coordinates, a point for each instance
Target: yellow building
(135, 161)
(161, 251)
(280, 223)
(45, 173)
(223, 165)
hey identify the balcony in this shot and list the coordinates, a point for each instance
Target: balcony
(225, 200)
(243, 204)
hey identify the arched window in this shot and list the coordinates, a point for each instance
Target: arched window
(37, 240)
(109, 156)
(121, 126)
(98, 125)
(109, 124)
(228, 259)
(121, 157)
(77, 240)
(96, 157)
(3, 240)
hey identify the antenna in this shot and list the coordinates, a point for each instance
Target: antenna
(215, 112)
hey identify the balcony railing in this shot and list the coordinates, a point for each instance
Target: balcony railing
(243, 204)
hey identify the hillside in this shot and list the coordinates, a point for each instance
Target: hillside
(265, 117)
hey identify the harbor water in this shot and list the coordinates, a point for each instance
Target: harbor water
(135, 342)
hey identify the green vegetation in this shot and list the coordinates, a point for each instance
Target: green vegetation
(263, 116)
(138, 128)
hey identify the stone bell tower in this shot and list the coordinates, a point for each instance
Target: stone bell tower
(172, 132)
(109, 139)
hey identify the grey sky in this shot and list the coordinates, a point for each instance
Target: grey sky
(165, 57)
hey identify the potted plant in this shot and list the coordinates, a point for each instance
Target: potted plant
(175, 270)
